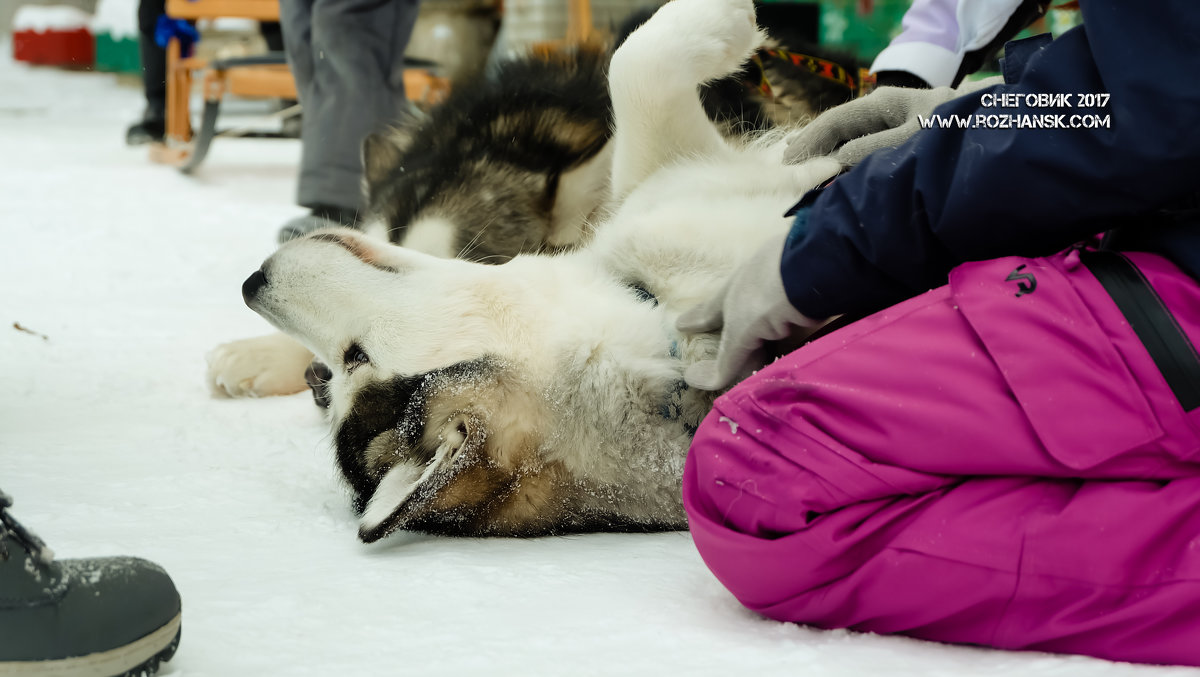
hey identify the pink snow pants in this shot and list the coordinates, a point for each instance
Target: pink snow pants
(992, 463)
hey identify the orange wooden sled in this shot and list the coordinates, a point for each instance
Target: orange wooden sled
(264, 76)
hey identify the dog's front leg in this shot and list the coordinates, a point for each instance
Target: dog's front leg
(258, 367)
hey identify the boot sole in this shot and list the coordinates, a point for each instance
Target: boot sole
(141, 657)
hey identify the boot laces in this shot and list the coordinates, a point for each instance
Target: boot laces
(10, 527)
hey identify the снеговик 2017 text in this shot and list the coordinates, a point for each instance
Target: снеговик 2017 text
(1024, 119)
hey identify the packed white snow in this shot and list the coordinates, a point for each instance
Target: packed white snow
(40, 19)
(117, 18)
(126, 273)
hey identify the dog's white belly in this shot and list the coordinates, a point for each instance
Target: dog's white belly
(683, 231)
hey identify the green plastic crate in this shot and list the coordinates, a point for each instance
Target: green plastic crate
(842, 26)
(117, 54)
(864, 35)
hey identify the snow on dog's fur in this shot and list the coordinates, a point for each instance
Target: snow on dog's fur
(546, 395)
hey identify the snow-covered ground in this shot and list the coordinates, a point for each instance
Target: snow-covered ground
(111, 444)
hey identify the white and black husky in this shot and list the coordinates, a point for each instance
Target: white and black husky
(545, 395)
(519, 162)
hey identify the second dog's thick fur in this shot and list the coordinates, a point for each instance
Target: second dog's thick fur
(519, 162)
(513, 163)
(546, 395)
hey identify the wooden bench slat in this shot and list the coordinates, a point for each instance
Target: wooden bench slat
(261, 81)
(263, 10)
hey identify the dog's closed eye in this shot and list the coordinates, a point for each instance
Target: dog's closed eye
(354, 357)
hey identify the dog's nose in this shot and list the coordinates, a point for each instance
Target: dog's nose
(250, 287)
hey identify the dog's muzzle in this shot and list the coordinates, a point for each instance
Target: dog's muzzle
(250, 287)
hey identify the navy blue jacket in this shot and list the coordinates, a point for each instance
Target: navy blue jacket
(896, 224)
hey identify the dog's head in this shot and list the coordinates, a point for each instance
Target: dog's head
(434, 421)
(480, 176)
(469, 205)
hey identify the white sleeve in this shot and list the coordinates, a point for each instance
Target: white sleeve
(935, 34)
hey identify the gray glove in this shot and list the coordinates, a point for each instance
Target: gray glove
(751, 310)
(885, 118)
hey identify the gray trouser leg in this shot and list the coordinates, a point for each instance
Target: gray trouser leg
(348, 60)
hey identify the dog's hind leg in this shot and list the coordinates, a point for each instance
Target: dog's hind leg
(655, 77)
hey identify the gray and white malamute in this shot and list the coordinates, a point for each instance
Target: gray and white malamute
(519, 161)
(546, 395)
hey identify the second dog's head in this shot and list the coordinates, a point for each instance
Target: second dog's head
(484, 176)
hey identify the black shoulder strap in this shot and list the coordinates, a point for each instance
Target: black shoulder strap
(1171, 350)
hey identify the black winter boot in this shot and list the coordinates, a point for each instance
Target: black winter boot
(115, 616)
(321, 216)
(151, 129)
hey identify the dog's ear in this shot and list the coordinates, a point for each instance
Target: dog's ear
(383, 151)
(412, 495)
(381, 154)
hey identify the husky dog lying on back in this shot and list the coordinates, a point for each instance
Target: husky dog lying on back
(520, 163)
(546, 395)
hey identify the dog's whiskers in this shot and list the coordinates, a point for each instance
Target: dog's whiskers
(469, 247)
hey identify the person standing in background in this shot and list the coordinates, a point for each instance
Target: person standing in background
(943, 41)
(348, 60)
(153, 124)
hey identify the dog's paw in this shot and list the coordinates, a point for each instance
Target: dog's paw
(709, 39)
(812, 173)
(258, 367)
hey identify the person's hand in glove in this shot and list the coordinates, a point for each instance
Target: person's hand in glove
(751, 311)
(885, 118)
